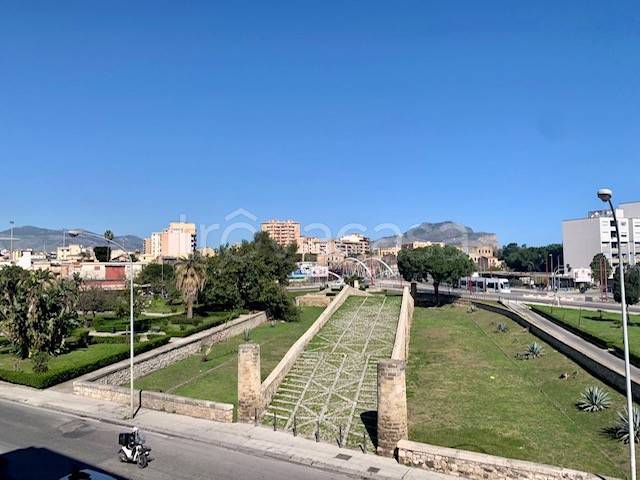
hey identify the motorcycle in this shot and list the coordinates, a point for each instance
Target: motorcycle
(133, 451)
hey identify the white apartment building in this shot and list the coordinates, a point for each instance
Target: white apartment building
(153, 245)
(583, 238)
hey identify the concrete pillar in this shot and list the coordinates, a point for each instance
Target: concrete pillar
(392, 406)
(249, 393)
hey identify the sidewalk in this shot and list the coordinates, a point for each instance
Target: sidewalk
(250, 439)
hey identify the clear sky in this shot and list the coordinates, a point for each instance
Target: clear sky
(505, 116)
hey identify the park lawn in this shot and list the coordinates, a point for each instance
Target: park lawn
(606, 326)
(216, 379)
(467, 390)
(160, 305)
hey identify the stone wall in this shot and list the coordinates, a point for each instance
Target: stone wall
(480, 466)
(118, 373)
(314, 300)
(403, 331)
(275, 378)
(219, 412)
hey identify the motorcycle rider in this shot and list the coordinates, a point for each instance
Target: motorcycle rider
(137, 436)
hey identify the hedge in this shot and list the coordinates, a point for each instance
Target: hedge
(53, 377)
(120, 325)
(206, 324)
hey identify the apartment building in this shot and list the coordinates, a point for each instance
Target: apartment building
(583, 238)
(179, 240)
(352, 245)
(284, 232)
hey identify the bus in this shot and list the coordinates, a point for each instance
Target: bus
(480, 284)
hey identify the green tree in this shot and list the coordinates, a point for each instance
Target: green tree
(529, 259)
(252, 275)
(160, 278)
(190, 279)
(631, 285)
(36, 310)
(441, 264)
(595, 267)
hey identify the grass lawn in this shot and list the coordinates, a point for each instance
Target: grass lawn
(216, 379)
(606, 326)
(467, 390)
(68, 365)
(160, 305)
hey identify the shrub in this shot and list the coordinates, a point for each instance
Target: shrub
(502, 328)
(621, 430)
(247, 334)
(55, 376)
(534, 350)
(40, 362)
(594, 399)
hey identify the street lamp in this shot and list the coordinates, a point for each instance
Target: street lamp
(78, 233)
(11, 222)
(605, 195)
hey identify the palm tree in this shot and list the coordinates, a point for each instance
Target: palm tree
(190, 279)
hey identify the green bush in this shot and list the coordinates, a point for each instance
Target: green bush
(114, 340)
(55, 376)
(112, 325)
(79, 338)
(40, 362)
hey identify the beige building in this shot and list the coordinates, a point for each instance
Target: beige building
(178, 241)
(73, 252)
(420, 244)
(284, 232)
(352, 245)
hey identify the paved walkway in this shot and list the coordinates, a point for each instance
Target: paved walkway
(597, 354)
(254, 440)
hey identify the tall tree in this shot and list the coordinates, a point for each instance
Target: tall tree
(441, 264)
(190, 279)
(631, 285)
(595, 267)
(530, 259)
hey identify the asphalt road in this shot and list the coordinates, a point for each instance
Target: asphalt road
(41, 444)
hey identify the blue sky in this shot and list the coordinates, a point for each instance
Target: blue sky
(505, 116)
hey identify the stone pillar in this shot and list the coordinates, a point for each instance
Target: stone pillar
(392, 406)
(249, 393)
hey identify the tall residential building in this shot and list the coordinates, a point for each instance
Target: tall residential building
(353, 245)
(153, 245)
(284, 232)
(583, 238)
(178, 240)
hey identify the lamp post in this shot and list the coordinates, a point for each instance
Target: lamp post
(605, 195)
(11, 222)
(77, 233)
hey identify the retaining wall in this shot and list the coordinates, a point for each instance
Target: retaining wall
(403, 331)
(104, 384)
(275, 378)
(220, 412)
(173, 352)
(480, 466)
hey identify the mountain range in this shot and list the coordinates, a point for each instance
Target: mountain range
(450, 233)
(45, 239)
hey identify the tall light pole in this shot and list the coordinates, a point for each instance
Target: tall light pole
(77, 233)
(605, 195)
(11, 222)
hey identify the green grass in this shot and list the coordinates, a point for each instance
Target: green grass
(216, 379)
(160, 305)
(467, 390)
(69, 365)
(605, 326)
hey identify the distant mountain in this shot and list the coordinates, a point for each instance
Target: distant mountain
(451, 233)
(44, 239)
